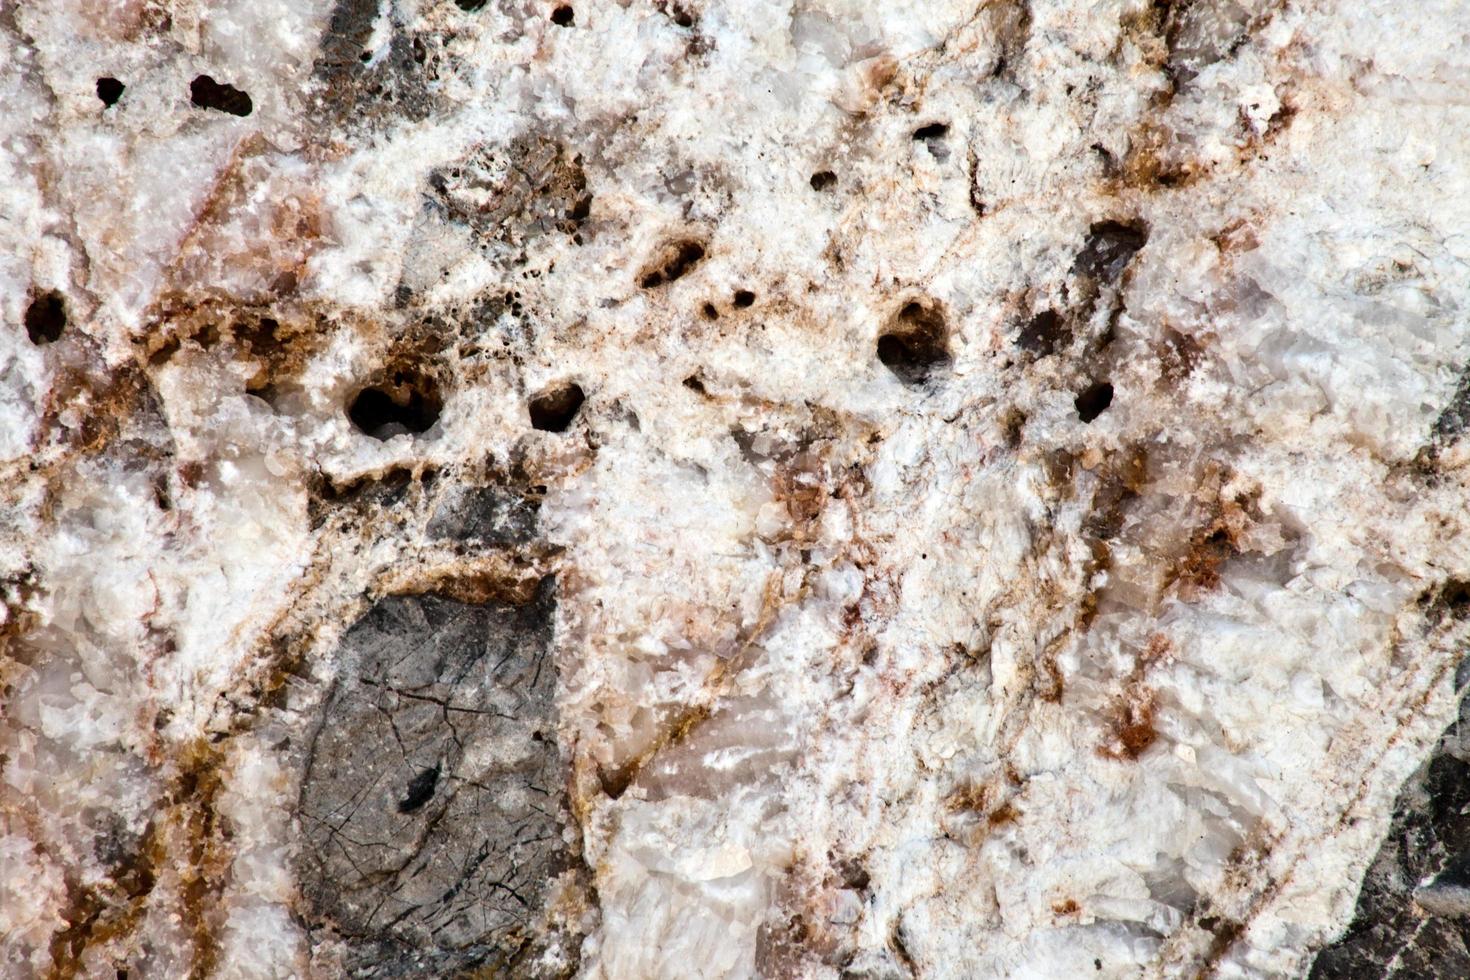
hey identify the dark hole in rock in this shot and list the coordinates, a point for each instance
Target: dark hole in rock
(206, 93)
(469, 6)
(823, 180)
(676, 259)
(709, 311)
(1045, 333)
(1457, 598)
(420, 791)
(1109, 247)
(262, 337)
(109, 90)
(407, 403)
(45, 318)
(932, 136)
(383, 491)
(1451, 601)
(563, 16)
(554, 409)
(1093, 400)
(916, 344)
(682, 15)
(694, 384)
(744, 298)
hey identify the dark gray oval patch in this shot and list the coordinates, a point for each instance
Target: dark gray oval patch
(431, 797)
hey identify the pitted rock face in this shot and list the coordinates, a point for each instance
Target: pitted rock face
(429, 807)
(1004, 465)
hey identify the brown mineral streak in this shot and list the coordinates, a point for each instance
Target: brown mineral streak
(208, 857)
(474, 581)
(186, 834)
(89, 924)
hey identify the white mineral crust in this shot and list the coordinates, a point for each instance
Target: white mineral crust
(872, 661)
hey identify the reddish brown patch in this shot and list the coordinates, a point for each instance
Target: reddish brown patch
(1055, 686)
(514, 585)
(16, 594)
(274, 342)
(986, 801)
(206, 855)
(1237, 236)
(1157, 649)
(1132, 726)
(1156, 159)
(104, 914)
(1059, 466)
(800, 487)
(187, 836)
(1224, 933)
(191, 474)
(971, 796)
(783, 946)
(1280, 120)
(1198, 571)
(1179, 354)
(1002, 815)
(87, 406)
(1067, 906)
(1144, 28)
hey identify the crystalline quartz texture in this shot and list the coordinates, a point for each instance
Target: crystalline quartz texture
(854, 674)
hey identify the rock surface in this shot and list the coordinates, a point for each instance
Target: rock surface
(667, 488)
(1412, 919)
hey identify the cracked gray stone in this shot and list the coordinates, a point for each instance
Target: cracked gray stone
(491, 515)
(429, 807)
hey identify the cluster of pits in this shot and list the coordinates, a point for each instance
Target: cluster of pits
(409, 402)
(204, 93)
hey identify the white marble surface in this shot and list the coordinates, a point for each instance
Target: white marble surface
(929, 680)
